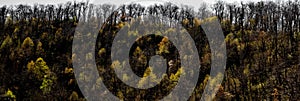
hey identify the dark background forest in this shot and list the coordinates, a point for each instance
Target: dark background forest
(262, 41)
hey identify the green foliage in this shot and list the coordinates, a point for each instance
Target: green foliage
(41, 67)
(10, 94)
(262, 50)
(42, 73)
(48, 83)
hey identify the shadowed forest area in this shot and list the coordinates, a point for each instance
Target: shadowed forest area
(262, 41)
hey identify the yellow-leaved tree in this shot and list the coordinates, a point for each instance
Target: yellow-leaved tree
(42, 72)
(10, 94)
(7, 42)
(163, 46)
(148, 78)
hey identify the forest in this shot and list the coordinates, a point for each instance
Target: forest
(262, 49)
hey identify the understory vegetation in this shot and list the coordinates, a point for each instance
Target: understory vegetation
(262, 44)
